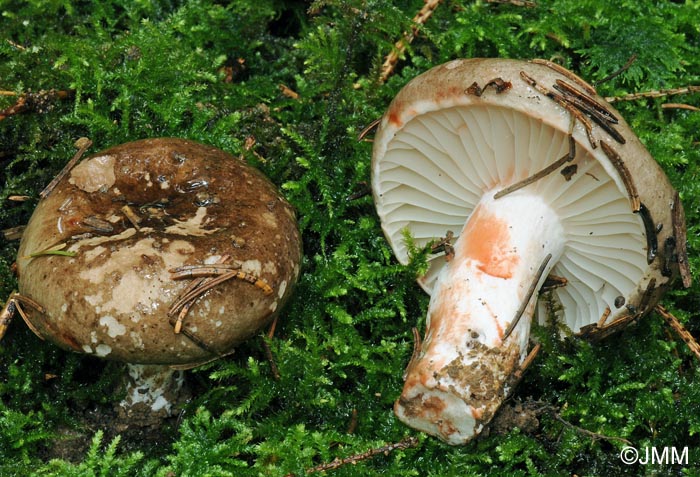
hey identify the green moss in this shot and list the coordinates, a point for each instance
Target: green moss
(211, 71)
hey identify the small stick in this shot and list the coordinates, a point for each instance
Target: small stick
(400, 46)
(646, 297)
(444, 245)
(14, 233)
(597, 118)
(18, 198)
(614, 74)
(131, 216)
(603, 317)
(518, 374)
(196, 340)
(288, 92)
(654, 94)
(678, 223)
(198, 271)
(564, 72)
(553, 282)
(26, 319)
(82, 144)
(354, 459)
(679, 106)
(528, 296)
(273, 327)
(353, 422)
(650, 232)
(566, 88)
(561, 101)
(180, 303)
(586, 432)
(368, 129)
(517, 3)
(417, 346)
(568, 157)
(13, 305)
(222, 276)
(680, 330)
(268, 354)
(97, 224)
(621, 168)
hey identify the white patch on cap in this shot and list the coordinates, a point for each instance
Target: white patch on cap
(90, 255)
(270, 268)
(103, 350)
(93, 174)
(137, 340)
(270, 219)
(192, 226)
(282, 288)
(87, 348)
(136, 289)
(211, 260)
(453, 64)
(114, 328)
(94, 300)
(253, 267)
(94, 241)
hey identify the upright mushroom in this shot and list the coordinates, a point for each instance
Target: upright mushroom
(158, 253)
(536, 176)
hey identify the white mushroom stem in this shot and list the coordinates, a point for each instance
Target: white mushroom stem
(155, 386)
(461, 374)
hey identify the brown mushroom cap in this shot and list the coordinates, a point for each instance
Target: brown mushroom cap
(190, 204)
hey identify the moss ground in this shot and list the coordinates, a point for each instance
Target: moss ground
(213, 72)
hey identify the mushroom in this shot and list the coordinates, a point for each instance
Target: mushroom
(159, 253)
(535, 176)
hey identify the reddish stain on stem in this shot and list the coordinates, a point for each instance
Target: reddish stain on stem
(487, 241)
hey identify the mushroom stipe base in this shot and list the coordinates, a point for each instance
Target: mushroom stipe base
(461, 373)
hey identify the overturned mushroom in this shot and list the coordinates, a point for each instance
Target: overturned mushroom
(158, 253)
(543, 178)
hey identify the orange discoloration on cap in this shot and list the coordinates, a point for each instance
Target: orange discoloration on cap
(395, 120)
(487, 241)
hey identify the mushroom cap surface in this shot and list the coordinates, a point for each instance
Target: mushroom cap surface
(476, 126)
(190, 204)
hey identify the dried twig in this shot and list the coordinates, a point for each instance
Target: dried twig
(400, 46)
(14, 233)
(41, 101)
(82, 144)
(679, 106)
(593, 435)
(678, 327)
(528, 296)
(354, 459)
(654, 94)
(517, 3)
(268, 354)
(614, 74)
(518, 374)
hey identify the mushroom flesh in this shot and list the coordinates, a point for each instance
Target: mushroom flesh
(534, 175)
